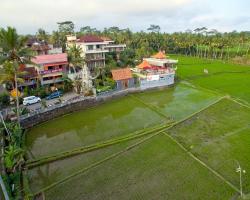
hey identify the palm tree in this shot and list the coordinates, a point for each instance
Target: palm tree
(42, 35)
(74, 57)
(14, 55)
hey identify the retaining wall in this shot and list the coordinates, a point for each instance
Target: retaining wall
(82, 103)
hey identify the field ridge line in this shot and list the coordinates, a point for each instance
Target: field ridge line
(204, 164)
(197, 112)
(93, 147)
(95, 164)
(150, 106)
(238, 102)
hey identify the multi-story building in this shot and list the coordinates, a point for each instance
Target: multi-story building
(29, 76)
(51, 68)
(94, 49)
(112, 47)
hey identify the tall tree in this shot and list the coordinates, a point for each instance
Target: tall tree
(15, 54)
(65, 28)
(42, 35)
(154, 28)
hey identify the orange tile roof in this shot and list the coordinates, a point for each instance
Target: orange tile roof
(160, 55)
(121, 74)
(143, 64)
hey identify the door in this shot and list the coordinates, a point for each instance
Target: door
(124, 84)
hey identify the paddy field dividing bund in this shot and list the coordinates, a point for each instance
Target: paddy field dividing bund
(190, 137)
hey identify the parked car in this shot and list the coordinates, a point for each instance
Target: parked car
(31, 100)
(54, 95)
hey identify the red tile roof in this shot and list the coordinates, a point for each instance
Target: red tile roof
(143, 64)
(50, 59)
(160, 55)
(121, 74)
(89, 38)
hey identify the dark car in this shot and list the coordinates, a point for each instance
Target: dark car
(54, 95)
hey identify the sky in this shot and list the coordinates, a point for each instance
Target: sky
(171, 15)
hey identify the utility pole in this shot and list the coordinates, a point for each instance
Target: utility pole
(240, 171)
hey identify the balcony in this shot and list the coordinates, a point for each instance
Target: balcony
(50, 71)
(100, 50)
(27, 83)
(51, 81)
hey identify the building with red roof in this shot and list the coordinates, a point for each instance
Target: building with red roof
(94, 49)
(156, 71)
(123, 77)
(50, 68)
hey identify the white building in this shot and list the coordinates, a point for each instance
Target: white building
(93, 49)
(156, 71)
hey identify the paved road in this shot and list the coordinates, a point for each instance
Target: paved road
(51, 102)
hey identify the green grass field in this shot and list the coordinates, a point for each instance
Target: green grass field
(222, 77)
(195, 159)
(151, 170)
(115, 118)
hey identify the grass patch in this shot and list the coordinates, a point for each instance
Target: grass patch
(220, 119)
(224, 77)
(94, 125)
(219, 136)
(152, 170)
(180, 101)
(42, 176)
(85, 149)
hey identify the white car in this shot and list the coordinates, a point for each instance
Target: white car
(31, 100)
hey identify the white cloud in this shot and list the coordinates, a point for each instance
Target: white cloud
(172, 15)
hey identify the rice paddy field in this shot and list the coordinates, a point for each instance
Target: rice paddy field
(183, 142)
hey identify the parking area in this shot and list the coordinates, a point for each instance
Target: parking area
(51, 102)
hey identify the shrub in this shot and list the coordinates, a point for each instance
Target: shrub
(4, 99)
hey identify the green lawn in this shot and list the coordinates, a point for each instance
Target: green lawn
(223, 77)
(180, 101)
(156, 169)
(219, 136)
(115, 118)
(86, 127)
(44, 175)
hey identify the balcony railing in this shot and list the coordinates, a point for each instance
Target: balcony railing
(51, 81)
(50, 71)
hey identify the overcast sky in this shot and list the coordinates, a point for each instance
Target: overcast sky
(172, 15)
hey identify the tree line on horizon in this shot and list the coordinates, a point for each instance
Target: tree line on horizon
(200, 42)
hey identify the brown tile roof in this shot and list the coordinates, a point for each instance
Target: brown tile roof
(89, 38)
(121, 74)
(40, 47)
(104, 38)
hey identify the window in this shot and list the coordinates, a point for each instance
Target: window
(90, 47)
(98, 46)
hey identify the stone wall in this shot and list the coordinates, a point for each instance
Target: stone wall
(47, 114)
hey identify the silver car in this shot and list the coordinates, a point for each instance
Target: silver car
(31, 100)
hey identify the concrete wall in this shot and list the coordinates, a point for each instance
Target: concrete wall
(164, 81)
(82, 103)
(119, 84)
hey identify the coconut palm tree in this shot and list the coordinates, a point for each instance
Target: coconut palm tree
(74, 57)
(14, 55)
